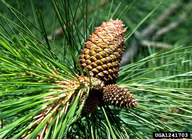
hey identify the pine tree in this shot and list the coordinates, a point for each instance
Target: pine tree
(47, 93)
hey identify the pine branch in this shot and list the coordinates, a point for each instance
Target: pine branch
(43, 97)
(156, 30)
(147, 43)
(151, 29)
(176, 23)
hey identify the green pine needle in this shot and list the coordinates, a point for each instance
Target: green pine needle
(35, 67)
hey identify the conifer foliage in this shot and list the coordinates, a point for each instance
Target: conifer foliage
(72, 86)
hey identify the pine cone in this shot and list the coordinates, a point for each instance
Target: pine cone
(102, 53)
(90, 104)
(119, 97)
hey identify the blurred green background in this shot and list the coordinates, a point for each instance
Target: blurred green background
(171, 21)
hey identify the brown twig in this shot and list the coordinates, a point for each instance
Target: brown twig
(150, 30)
(130, 53)
(154, 29)
(156, 44)
(176, 23)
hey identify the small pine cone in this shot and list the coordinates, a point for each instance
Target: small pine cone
(119, 97)
(90, 104)
(103, 51)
